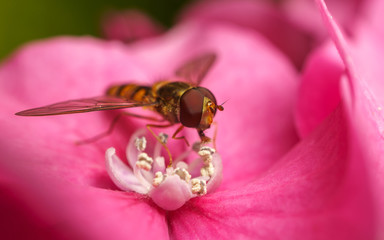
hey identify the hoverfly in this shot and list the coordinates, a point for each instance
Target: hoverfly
(178, 102)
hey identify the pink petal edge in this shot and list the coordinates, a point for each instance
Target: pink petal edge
(121, 174)
(363, 92)
(172, 193)
(319, 93)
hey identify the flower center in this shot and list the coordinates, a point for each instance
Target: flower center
(169, 187)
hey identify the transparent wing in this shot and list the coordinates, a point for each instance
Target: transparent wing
(83, 105)
(195, 70)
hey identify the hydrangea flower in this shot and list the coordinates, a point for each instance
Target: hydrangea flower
(170, 187)
(68, 186)
(289, 171)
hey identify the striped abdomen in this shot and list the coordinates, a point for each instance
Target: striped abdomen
(132, 92)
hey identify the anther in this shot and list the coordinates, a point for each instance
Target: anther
(157, 179)
(206, 148)
(207, 171)
(141, 143)
(198, 186)
(183, 174)
(206, 154)
(144, 162)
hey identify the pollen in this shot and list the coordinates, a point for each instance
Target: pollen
(206, 150)
(144, 162)
(199, 186)
(141, 143)
(206, 154)
(183, 174)
(208, 170)
(158, 179)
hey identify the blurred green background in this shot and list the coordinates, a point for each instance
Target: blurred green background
(24, 20)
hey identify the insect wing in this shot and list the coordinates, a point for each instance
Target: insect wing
(195, 70)
(83, 105)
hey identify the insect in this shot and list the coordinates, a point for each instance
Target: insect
(178, 102)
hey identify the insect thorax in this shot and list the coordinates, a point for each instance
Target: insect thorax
(168, 94)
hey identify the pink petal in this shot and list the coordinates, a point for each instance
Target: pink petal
(37, 152)
(362, 92)
(319, 92)
(260, 16)
(121, 174)
(172, 193)
(375, 16)
(255, 129)
(305, 14)
(49, 142)
(315, 192)
(67, 62)
(367, 123)
(129, 26)
(56, 209)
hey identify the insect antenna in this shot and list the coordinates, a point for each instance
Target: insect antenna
(220, 107)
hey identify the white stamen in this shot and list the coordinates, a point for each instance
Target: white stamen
(206, 154)
(198, 186)
(183, 174)
(207, 149)
(141, 143)
(144, 161)
(149, 174)
(208, 170)
(211, 150)
(143, 165)
(158, 179)
(206, 158)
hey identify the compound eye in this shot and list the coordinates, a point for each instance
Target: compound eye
(191, 108)
(209, 95)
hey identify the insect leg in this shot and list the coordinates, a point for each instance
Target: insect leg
(182, 137)
(214, 134)
(149, 127)
(112, 126)
(203, 138)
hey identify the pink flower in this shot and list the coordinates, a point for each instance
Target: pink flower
(289, 171)
(66, 188)
(170, 187)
